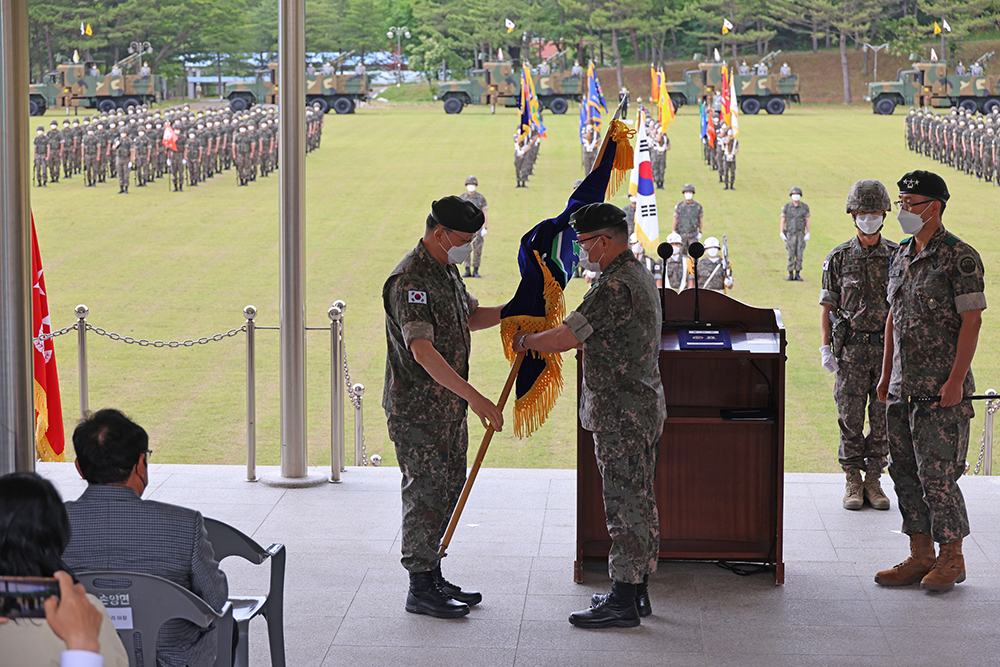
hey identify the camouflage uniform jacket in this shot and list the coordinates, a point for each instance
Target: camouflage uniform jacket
(928, 292)
(423, 299)
(619, 324)
(712, 273)
(122, 148)
(41, 147)
(688, 213)
(678, 269)
(476, 198)
(795, 217)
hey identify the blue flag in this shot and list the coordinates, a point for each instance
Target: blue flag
(704, 120)
(547, 258)
(597, 109)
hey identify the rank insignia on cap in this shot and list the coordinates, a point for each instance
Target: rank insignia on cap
(416, 296)
(910, 182)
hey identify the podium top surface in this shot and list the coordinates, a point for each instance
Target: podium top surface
(719, 311)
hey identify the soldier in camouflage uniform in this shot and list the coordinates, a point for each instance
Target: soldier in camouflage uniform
(428, 319)
(730, 149)
(41, 144)
(713, 272)
(124, 152)
(193, 154)
(936, 299)
(688, 217)
(241, 154)
(590, 146)
(521, 146)
(69, 149)
(55, 151)
(622, 404)
(908, 125)
(90, 154)
(678, 272)
(143, 155)
(795, 231)
(658, 153)
(177, 160)
(855, 276)
(470, 194)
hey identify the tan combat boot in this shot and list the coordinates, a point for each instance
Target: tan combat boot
(873, 491)
(914, 568)
(949, 568)
(854, 497)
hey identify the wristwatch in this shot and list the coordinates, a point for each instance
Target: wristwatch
(521, 341)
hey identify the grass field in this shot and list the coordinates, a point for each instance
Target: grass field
(159, 265)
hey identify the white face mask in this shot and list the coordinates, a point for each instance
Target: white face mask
(689, 196)
(470, 188)
(712, 252)
(677, 250)
(459, 253)
(796, 197)
(910, 222)
(586, 264)
(868, 223)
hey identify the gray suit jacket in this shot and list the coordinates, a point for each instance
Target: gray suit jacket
(114, 529)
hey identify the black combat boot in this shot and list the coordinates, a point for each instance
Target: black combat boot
(467, 274)
(475, 272)
(798, 277)
(642, 602)
(426, 597)
(791, 276)
(616, 610)
(470, 598)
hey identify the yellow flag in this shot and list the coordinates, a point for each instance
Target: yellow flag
(88, 30)
(937, 28)
(726, 26)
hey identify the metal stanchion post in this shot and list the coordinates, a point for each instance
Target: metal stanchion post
(988, 434)
(336, 314)
(359, 425)
(81, 345)
(250, 312)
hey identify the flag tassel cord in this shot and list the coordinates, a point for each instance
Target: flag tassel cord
(480, 455)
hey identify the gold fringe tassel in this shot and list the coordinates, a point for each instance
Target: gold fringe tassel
(42, 447)
(624, 157)
(531, 410)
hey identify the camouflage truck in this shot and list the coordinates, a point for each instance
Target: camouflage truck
(753, 91)
(71, 86)
(323, 91)
(930, 84)
(500, 83)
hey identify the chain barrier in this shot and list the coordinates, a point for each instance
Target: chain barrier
(55, 334)
(991, 408)
(355, 399)
(142, 342)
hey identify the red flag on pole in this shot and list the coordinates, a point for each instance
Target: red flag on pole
(50, 442)
(169, 137)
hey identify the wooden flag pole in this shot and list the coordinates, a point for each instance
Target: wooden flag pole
(471, 479)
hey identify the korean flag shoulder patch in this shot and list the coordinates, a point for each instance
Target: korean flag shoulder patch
(416, 296)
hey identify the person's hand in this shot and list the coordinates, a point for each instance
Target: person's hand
(806, 237)
(783, 237)
(184, 161)
(483, 232)
(168, 162)
(882, 389)
(827, 359)
(489, 414)
(72, 617)
(129, 165)
(728, 282)
(516, 344)
(951, 394)
(699, 236)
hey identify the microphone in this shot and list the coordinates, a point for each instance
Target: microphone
(696, 250)
(665, 250)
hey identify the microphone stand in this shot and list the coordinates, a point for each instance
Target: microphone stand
(696, 250)
(665, 250)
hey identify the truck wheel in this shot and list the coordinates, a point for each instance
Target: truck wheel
(34, 109)
(775, 105)
(131, 103)
(558, 106)
(343, 105)
(884, 106)
(750, 105)
(238, 104)
(991, 105)
(968, 105)
(106, 106)
(320, 104)
(453, 105)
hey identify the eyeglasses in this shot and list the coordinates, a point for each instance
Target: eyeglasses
(148, 453)
(591, 238)
(462, 241)
(908, 205)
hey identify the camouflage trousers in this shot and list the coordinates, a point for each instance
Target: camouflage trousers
(432, 459)
(853, 392)
(67, 165)
(588, 160)
(123, 172)
(177, 171)
(796, 247)
(521, 167)
(194, 171)
(687, 238)
(928, 446)
(41, 172)
(627, 462)
(477, 251)
(90, 171)
(54, 162)
(659, 164)
(729, 172)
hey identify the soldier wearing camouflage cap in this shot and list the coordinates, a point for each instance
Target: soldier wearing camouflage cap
(852, 326)
(618, 327)
(794, 231)
(472, 195)
(688, 218)
(936, 298)
(428, 319)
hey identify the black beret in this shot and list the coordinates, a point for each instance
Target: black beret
(924, 183)
(458, 214)
(593, 217)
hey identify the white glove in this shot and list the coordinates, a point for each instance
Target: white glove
(168, 162)
(184, 161)
(699, 236)
(783, 237)
(129, 165)
(483, 232)
(728, 282)
(828, 360)
(806, 237)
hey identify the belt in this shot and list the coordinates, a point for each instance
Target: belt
(869, 337)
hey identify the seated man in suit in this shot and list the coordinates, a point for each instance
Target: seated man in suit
(114, 529)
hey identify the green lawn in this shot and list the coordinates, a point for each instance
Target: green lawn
(159, 265)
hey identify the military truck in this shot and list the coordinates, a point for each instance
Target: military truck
(753, 91)
(71, 85)
(323, 91)
(500, 83)
(930, 84)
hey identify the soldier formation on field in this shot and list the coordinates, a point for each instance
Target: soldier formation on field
(966, 141)
(722, 155)
(128, 147)
(526, 145)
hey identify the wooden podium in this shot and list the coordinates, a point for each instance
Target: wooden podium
(720, 469)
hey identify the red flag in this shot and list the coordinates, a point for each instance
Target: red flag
(711, 131)
(169, 137)
(50, 442)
